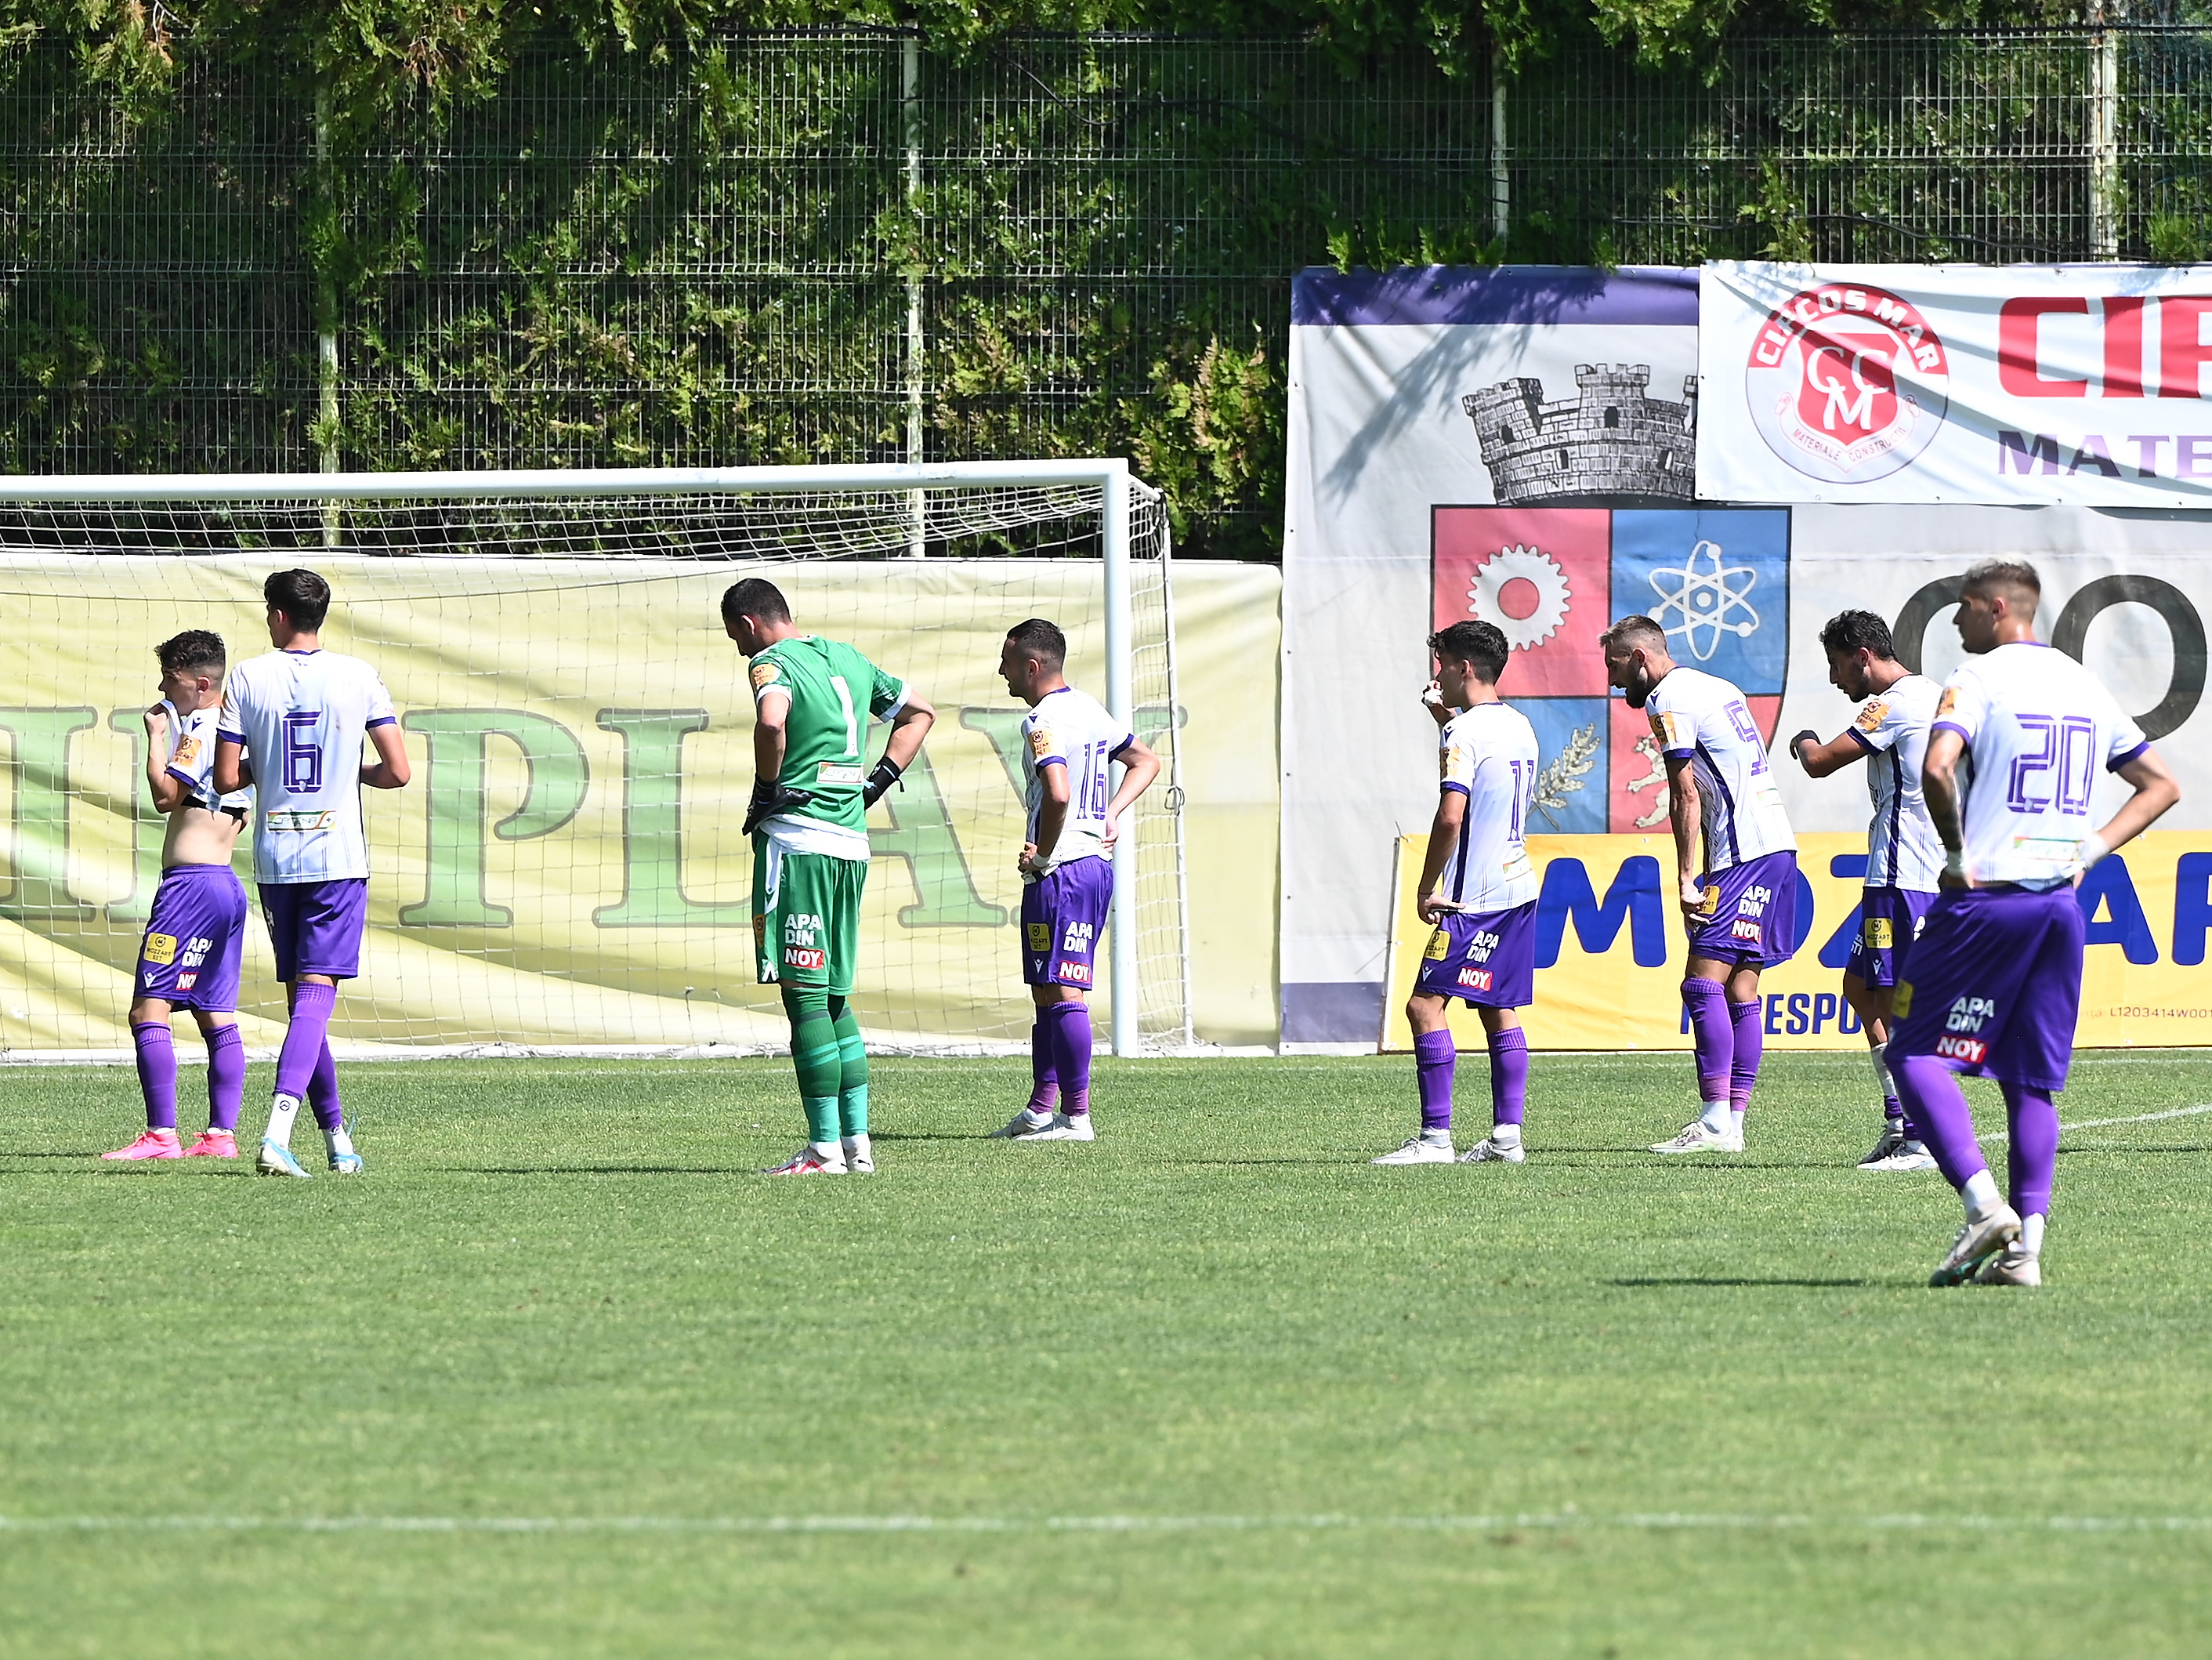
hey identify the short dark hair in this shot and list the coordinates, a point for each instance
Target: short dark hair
(1041, 639)
(195, 648)
(755, 597)
(302, 596)
(1639, 629)
(1850, 631)
(1991, 574)
(1481, 646)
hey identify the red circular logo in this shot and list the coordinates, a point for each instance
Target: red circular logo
(1847, 383)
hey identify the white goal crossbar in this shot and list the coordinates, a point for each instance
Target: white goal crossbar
(1118, 495)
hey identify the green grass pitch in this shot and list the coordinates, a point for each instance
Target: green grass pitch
(538, 1384)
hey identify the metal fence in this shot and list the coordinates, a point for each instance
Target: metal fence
(837, 247)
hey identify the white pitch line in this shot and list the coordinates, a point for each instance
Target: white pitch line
(1562, 1521)
(2102, 1123)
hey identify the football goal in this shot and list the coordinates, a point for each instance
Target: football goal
(565, 871)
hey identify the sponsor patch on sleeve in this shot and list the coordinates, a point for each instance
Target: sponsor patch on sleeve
(1872, 716)
(765, 673)
(1948, 701)
(187, 753)
(1040, 742)
(1669, 728)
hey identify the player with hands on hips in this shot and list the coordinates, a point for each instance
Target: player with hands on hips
(1477, 890)
(1070, 745)
(1889, 733)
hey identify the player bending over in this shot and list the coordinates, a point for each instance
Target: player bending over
(1067, 866)
(1478, 891)
(1994, 983)
(196, 936)
(809, 823)
(1739, 900)
(1904, 856)
(301, 714)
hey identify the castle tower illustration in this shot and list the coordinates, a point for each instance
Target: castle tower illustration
(1610, 439)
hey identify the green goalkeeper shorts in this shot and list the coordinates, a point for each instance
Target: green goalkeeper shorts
(806, 917)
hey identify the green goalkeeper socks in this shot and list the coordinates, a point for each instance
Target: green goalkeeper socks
(814, 1056)
(851, 1069)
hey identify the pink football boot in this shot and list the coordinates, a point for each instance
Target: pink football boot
(154, 1144)
(213, 1144)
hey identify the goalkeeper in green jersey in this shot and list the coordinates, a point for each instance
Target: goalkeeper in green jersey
(812, 788)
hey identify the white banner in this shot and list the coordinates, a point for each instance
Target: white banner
(1995, 384)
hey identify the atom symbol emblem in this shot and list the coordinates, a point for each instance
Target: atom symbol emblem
(1706, 594)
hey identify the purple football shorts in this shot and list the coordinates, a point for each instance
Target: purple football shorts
(1993, 986)
(315, 926)
(1890, 920)
(1751, 913)
(1486, 956)
(1063, 914)
(195, 939)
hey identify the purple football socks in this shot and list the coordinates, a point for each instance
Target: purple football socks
(1713, 1032)
(1070, 1037)
(1934, 1102)
(157, 1073)
(1435, 1058)
(2031, 1155)
(306, 1040)
(1509, 1075)
(1044, 1081)
(226, 1083)
(323, 1091)
(1749, 1020)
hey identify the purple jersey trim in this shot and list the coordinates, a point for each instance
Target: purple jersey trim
(1044, 761)
(1453, 784)
(1964, 737)
(183, 777)
(1860, 739)
(1689, 754)
(381, 720)
(2119, 761)
(229, 737)
(1631, 297)
(1127, 739)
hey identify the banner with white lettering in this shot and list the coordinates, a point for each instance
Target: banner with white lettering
(1991, 383)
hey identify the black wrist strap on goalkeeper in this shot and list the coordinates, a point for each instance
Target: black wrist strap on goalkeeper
(886, 774)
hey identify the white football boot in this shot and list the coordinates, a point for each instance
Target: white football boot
(1023, 1122)
(1977, 1243)
(1062, 1129)
(1886, 1146)
(859, 1154)
(1428, 1147)
(1487, 1151)
(2012, 1267)
(1697, 1137)
(810, 1160)
(1909, 1156)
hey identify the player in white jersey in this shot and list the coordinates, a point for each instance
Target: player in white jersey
(1993, 986)
(1478, 891)
(1904, 856)
(1069, 743)
(1735, 867)
(300, 714)
(196, 932)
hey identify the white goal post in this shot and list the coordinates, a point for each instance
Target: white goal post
(426, 564)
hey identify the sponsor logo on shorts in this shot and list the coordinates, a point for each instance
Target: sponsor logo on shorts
(759, 929)
(1880, 933)
(292, 819)
(196, 951)
(1747, 928)
(1040, 936)
(1901, 1001)
(1074, 972)
(1951, 1047)
(1482, 943)
(160, 948)
(1710, 904)
(804, 957)
(186, 982)
(1439, 946)
(1969, 1015)
(1081, 936)
(801, 928)
(1475, 979)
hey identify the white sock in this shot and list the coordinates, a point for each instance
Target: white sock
(1980, 1194)
(338, 1140)
(2031, 1233)
(857, 1145)
(1886, 1086)
(1437, 1137)
(1715, 1116)
(281, 1111)
(1037, 1116)
(830, 1153)
(1505, 1135)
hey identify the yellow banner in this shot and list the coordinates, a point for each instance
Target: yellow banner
(1610, 946)
(565, 867)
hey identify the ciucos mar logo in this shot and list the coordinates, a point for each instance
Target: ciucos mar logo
(1847, 383)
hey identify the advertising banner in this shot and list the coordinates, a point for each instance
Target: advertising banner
(1609, 943)
(565, 867)
(1955, 383)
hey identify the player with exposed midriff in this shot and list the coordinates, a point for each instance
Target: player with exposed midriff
(1735, 867)
(1478, 891)
(1994, 983)
(1904, 856)
(196, 936)
(808, 819)
(1069, 744)
(302, 714)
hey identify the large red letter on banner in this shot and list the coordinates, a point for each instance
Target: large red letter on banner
(2018, 370)
(2182, 353)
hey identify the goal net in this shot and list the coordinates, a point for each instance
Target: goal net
(567, 870)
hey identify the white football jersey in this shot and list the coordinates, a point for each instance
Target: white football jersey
(302, 716)
(1489, 756)
(2039, 730)
(1703, 718)
(1903, 850)
(192, 761)
(1069, 729)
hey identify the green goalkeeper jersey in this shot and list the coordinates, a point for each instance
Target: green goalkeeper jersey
(833, 692)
